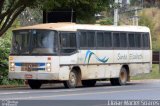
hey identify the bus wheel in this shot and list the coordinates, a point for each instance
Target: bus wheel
(73, 80)
(122, 80)
(88, 83)
(34, 84)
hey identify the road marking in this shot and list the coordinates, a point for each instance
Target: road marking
(92, 93)
(7, 93)
(67, 90)
(37, 92)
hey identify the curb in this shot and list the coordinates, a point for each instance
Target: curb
(146, 80)
(13, 86)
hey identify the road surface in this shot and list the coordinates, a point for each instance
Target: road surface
(136, 90)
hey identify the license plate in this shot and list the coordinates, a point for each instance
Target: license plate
(28, 67)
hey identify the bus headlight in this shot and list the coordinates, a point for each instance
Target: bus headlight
(12, 64)
(12, 69)
(48, 69)
(48, 65)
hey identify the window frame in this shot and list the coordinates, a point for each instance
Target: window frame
(60, 45)
(141, 46)
(149, 44)
(116, 48)
(104, 48)
(79, 38)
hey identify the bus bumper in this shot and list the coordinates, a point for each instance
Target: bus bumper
(33, 75)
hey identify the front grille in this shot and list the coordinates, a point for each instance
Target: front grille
(31, 66)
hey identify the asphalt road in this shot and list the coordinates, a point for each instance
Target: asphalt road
(136, 90)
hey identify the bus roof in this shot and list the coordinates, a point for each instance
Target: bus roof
(75, 27)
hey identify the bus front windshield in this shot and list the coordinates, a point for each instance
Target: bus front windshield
(32, 42)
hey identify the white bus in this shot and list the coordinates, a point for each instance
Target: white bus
(79, 54)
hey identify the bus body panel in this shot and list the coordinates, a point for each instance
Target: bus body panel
(95, 69)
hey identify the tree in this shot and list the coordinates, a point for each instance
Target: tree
(10, 9)
(85, 9)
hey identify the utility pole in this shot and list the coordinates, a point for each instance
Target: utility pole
(134, 10)
(116, 15)
(136, 16)
(72, 15)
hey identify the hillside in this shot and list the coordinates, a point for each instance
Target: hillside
(151, 17)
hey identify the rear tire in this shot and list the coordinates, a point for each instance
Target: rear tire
(88, 83)
(34, 84)
(73, 80)
(122, 80)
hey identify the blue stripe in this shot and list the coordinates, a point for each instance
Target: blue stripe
(41, 64)
(18, 64)
(21, 64)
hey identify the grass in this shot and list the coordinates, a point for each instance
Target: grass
(155, 74)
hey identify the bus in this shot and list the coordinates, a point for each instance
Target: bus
(79, 54)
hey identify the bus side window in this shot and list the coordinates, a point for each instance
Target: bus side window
(100, 39)
(123, 40)
(116, 40)
(68, 42)
(91, 39)
(138, 40)
(87, 39)
(145, 38)
(107, 39)
(83, 39)
(131, 40)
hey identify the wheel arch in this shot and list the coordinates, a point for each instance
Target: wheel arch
(126, 66)
(79, 73)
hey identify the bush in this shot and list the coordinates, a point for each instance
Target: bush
(107, 21)
(5, 44)
(147, 20)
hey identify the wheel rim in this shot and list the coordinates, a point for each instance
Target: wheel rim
(72, 79)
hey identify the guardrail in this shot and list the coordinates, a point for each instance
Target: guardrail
(156, 58)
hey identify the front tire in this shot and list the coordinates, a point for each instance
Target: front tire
(122, 80)
(34, 84)
(73, 80)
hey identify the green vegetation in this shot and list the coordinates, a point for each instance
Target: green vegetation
(106, 21)
(5, 44)
(150, 17)
(155, 74)
(85, 9)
